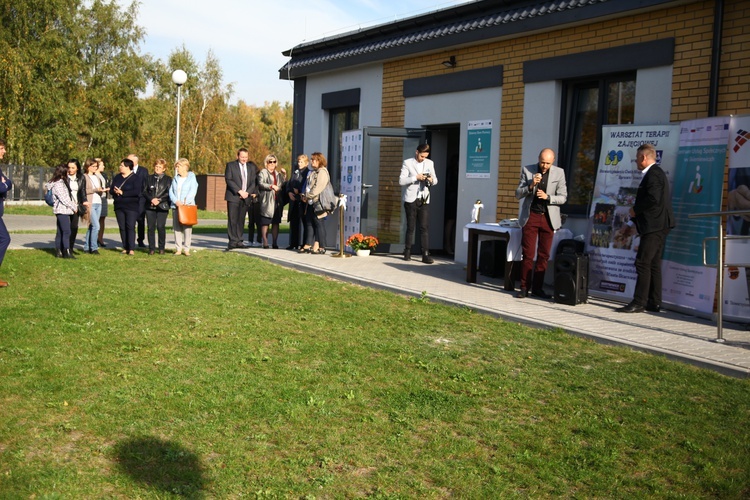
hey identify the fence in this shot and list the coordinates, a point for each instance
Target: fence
(28, 181)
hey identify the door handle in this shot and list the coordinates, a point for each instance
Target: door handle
(365, 186)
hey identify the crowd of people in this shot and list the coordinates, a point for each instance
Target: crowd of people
(261, 193)
(83, 195)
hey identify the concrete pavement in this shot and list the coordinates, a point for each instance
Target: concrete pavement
(675, 335)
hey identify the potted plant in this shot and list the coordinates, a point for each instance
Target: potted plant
(361, 244)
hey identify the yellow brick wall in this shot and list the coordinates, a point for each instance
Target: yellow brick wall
(691, 25)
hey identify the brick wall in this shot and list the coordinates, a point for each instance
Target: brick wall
(691, 25)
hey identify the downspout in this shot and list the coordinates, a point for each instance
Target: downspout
(713, 90)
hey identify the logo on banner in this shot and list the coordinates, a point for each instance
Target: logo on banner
(613, 157)
(740, 139)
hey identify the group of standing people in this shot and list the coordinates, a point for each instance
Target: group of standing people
(260, 194)
(137, 196)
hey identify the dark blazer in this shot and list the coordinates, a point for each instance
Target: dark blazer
(653, 204)
(233, 178)
(131, 192)
(5, 185)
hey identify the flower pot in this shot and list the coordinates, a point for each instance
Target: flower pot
(365, 252)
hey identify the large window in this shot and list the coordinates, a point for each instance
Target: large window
(341, 120)
(589, 104)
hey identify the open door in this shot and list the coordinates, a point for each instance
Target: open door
(382, 142)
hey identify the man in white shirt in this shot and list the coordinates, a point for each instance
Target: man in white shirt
(417, 176)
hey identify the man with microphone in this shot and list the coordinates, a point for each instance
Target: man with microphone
(542, 188)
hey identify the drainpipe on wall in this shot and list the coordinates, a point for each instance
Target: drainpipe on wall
(713, 90)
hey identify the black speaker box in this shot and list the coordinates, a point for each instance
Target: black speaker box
(492, 256)
(571, 278)
(570, 246)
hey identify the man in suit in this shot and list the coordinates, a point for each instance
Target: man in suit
(141, 173)
(241, 193)
(653, 218)
(543, 189)
(5, 185)
(417, 176)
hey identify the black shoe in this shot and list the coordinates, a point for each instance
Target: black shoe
(631, 308)
(291, 247)
(652, 308)
(522, 293)
(161, 252)
(275, 247)
(67, 254)
(151, 252)
(427, 259)
(541, 294)
(141, 244)
(94, 252)
(58, 254)
(407, 254)
(102, 244)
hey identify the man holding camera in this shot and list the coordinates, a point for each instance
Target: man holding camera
(417, 175)
(542, 188)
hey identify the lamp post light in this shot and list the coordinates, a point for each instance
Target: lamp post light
(179, 78)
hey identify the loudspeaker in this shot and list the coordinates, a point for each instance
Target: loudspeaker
(492, 256)
(571, 278)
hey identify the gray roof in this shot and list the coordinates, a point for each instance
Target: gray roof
(470, 23)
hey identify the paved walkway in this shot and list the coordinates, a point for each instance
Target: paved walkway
(669, 333)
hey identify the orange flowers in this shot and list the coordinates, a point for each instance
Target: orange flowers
(359, 241)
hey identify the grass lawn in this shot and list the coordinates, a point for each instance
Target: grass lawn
(28, 209)
(221, 375)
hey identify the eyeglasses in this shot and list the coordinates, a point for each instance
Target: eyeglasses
(271, 161)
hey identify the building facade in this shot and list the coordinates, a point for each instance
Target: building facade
(543, 73)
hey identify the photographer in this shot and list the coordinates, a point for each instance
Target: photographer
(417, 176)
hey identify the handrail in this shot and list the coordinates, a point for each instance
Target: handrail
(719, 264)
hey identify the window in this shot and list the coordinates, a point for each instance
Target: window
(589, 104)
(341, 120)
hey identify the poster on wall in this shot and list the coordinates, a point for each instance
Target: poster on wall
(737, 276)
(351, 179)
(697, 187)
(611, 250)
(478, 140)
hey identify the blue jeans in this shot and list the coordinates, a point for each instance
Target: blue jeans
(90, 242)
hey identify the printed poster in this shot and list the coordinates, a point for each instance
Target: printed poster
(478, 141)
(612, 253)
(737, 255)
(697, 187)
(351, 179)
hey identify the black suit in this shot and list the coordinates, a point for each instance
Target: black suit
(237, 207)
(142, 176)
(653, 219)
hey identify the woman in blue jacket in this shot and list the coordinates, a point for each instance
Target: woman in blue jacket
(182, 192)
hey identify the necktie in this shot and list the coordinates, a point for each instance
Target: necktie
(243, 169)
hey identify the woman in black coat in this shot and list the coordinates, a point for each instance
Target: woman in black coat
(126, 190)
(156, 194)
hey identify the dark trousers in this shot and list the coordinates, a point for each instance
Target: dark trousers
(73, 230)
(141, 219)
(253, 222)
(648, 267)
(62, 237)
(236, 212)
(315, 228)
(537, 229)
(4, 240)
(126, 220)
(417, 211)
(157, 221)
(297, 232)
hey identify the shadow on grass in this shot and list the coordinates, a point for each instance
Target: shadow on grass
(161, 464)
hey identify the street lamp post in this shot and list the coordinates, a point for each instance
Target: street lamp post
(179, 78)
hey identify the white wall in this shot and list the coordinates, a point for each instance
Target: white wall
(462, 107)
(369, 79)
(653, 95)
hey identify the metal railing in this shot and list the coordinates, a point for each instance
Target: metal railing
(720, 264)
(28, 181)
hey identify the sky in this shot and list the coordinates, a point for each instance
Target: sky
(249, 36)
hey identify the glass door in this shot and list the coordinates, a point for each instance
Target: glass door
(383, 151)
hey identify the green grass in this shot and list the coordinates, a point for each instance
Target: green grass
(221, 375)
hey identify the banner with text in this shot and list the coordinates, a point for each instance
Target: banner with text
(611, 250)
(697, 186)
(351, 179)
(737, 255)
(479, 139)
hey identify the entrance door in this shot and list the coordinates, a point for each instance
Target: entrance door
(385, 145)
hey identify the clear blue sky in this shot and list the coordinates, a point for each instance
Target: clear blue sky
(248, 36)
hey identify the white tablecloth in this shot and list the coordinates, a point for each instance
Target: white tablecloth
(514, 233)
